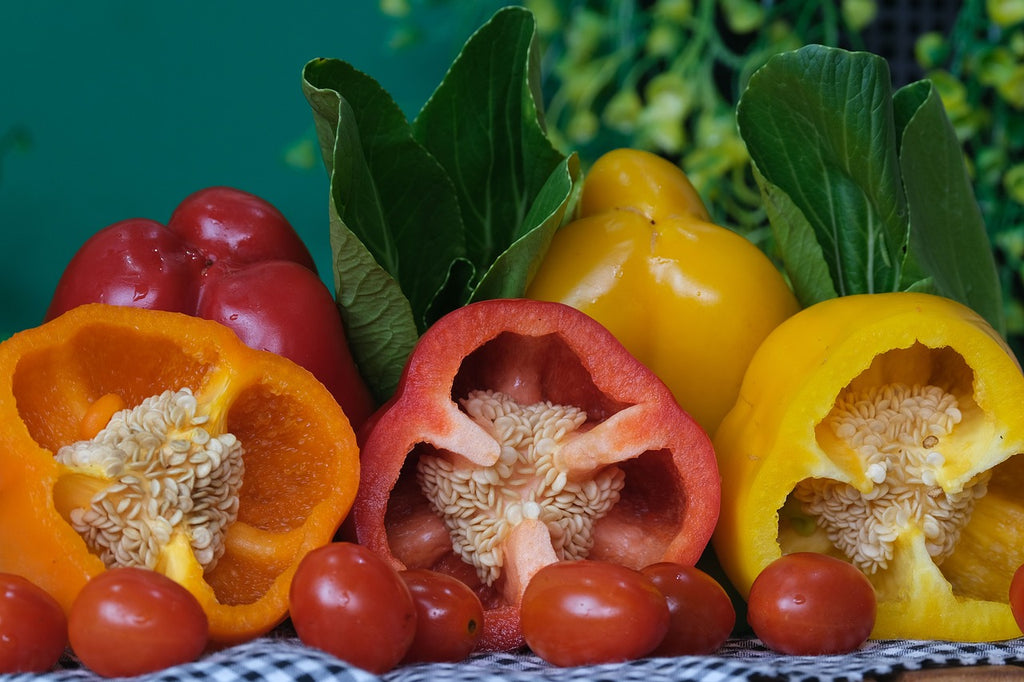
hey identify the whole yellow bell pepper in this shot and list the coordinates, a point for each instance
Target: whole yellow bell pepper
(884, 429)
(690, 299)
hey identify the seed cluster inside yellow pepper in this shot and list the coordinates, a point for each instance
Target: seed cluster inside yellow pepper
(898, 432)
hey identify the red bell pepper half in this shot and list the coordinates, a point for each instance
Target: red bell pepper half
(522, 432)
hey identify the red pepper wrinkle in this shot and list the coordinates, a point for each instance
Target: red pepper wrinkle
(505, 372)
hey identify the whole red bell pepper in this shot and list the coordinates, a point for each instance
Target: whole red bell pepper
(522, 432)
(230, 256)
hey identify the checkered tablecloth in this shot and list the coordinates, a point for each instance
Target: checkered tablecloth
(282, 657)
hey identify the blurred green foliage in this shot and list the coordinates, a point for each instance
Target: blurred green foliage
(665, 75)
(978, 68)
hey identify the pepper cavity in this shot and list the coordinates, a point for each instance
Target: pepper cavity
(523, 432)
(483, 506)
(896, 431)
(154, 478)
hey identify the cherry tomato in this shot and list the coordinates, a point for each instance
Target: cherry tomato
(587, 612)
(449, 617)
(807, 603)
(130, 621)
(349, 602)
(33, 628)
(1017, 596)
(701, 615)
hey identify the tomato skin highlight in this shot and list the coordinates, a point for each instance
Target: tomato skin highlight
(347, 601)
(130, 621)
(589, 612)
(33, 627)
(808, 604)
(701, 614)
(449, 617)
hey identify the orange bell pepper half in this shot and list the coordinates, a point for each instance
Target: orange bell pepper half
(147, 438)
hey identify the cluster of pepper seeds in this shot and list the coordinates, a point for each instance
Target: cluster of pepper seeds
(162, 473)
(480, 505)
(896, 431)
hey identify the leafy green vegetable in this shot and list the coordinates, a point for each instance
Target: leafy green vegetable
(456, 206)
(947, 229)
(866, 189)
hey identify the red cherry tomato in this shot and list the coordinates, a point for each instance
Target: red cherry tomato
(130, 621)
(587, 612)
(449, 617)
(701, 615)
(807, 603)
(349, 602)
(1017, 596)
(33, 628)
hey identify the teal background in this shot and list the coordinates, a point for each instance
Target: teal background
(131, 106)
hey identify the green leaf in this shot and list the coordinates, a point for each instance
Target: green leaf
(818, 123)
(387, 188)
(378, 315)
(378, 320)
(483, 125)
(948, 240)
(512, 271)
(459, 205)
(802, 258)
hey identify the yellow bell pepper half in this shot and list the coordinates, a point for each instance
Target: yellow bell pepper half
(884, 429)
(688, 298)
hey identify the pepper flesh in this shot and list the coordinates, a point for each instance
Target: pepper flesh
(278, 482)
(228, 256)
(521, 433)
(883, 429)
(690, 299)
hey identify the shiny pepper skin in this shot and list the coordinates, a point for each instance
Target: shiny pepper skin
(689, 299)
(228, 256)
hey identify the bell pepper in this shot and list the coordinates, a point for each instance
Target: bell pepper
(136, 437)
(884, 429)
(522, 433)
(229, 256)
(690, 299)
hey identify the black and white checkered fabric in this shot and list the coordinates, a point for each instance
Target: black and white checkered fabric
(283, 658)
